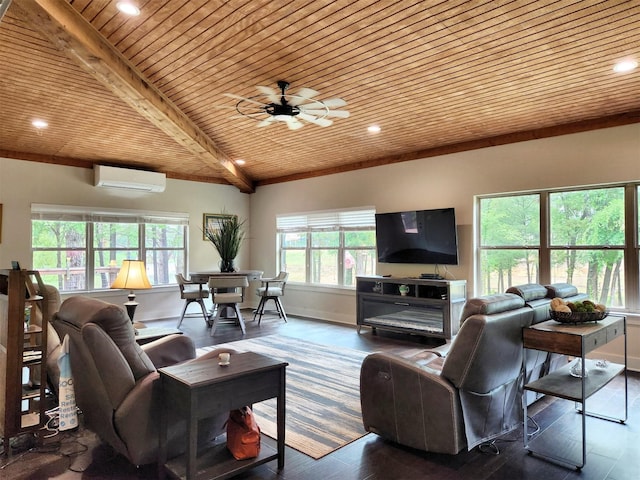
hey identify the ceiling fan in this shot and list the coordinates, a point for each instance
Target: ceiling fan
(271, 106)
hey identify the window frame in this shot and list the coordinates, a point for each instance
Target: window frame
(340, 221)
(92, 216)
(630, 249)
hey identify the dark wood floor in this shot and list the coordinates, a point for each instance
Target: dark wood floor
(614, 449)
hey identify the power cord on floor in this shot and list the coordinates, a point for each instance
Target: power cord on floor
(491, 447)
(53, 423)
(54, 448)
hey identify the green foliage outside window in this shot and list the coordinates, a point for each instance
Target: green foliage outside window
(585, 247)
(328, 257)
(61, 251)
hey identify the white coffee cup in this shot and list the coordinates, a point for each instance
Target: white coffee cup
(224, 357)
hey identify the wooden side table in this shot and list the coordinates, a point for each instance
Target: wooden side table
(204, 389)
(575, 340)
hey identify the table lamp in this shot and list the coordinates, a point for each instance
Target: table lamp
(132, 276)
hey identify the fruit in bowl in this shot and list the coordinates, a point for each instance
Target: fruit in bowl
(577, 312)
(585, 306)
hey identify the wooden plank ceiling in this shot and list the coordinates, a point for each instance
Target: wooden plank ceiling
(437, 77)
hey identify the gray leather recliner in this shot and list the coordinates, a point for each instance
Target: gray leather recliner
(447, 404)
(116, 383)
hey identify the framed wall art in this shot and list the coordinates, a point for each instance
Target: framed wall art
(210, 220)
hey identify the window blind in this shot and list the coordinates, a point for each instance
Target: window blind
(364, 217)
(104, 215)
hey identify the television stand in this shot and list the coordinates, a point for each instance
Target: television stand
(429, 308)
(431, 276)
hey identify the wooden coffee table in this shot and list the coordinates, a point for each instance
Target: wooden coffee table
(203, 389)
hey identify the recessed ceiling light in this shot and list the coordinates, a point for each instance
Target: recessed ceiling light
(240, 162)
(39, 124)
(128, 8)
(624, 66)
(374, 129)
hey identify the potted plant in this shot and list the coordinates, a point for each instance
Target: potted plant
(226, 235)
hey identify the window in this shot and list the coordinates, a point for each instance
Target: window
(75, 248)
(575, 236)
(327, 248)
(509, 241)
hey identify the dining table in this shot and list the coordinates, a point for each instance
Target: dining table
(203, 278)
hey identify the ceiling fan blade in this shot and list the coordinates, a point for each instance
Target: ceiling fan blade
(325, 113)
(306, 93)
(318, 112)
(338, 113)
(238, 97)
(294, 124)
(301, 96)
(270, 93)
(266, 122)
(323, 122)
(334, 102)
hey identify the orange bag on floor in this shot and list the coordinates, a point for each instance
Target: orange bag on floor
(243, 434)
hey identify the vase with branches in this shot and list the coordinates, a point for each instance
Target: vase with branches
(226, 235)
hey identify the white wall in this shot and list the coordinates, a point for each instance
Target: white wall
(602, 156)
(610, 155)
(23, 183)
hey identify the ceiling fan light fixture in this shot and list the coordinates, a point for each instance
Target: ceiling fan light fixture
(294, 109)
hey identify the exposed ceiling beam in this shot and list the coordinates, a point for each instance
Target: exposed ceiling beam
(78, 39)
(4, 4)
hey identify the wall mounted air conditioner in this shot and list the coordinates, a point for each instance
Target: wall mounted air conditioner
(129, 179)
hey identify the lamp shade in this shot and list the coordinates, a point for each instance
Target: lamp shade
(132, 276)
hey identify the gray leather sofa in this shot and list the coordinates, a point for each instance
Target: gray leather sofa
(116, 382)
(446, 404)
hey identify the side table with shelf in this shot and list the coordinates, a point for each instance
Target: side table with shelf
(204, 389)
(427, 307)
(23, 350)
(576, 340)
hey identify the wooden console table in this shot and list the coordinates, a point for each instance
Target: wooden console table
(203, 389)
(575, 340)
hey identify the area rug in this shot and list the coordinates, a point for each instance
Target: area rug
(323, 393)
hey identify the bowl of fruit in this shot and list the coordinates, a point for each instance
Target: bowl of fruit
(577, 312)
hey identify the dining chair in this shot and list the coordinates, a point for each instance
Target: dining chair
(271, 289)
(227, 292)
(192, 292)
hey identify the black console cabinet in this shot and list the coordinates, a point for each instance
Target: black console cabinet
(430, 308)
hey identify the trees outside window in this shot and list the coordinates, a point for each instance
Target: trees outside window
(327, 248)
(510, 241)
(573, 236)
(86, 254)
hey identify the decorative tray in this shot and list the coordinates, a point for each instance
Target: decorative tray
(577, 317)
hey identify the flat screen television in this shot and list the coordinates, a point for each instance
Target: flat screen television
(422, 236)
